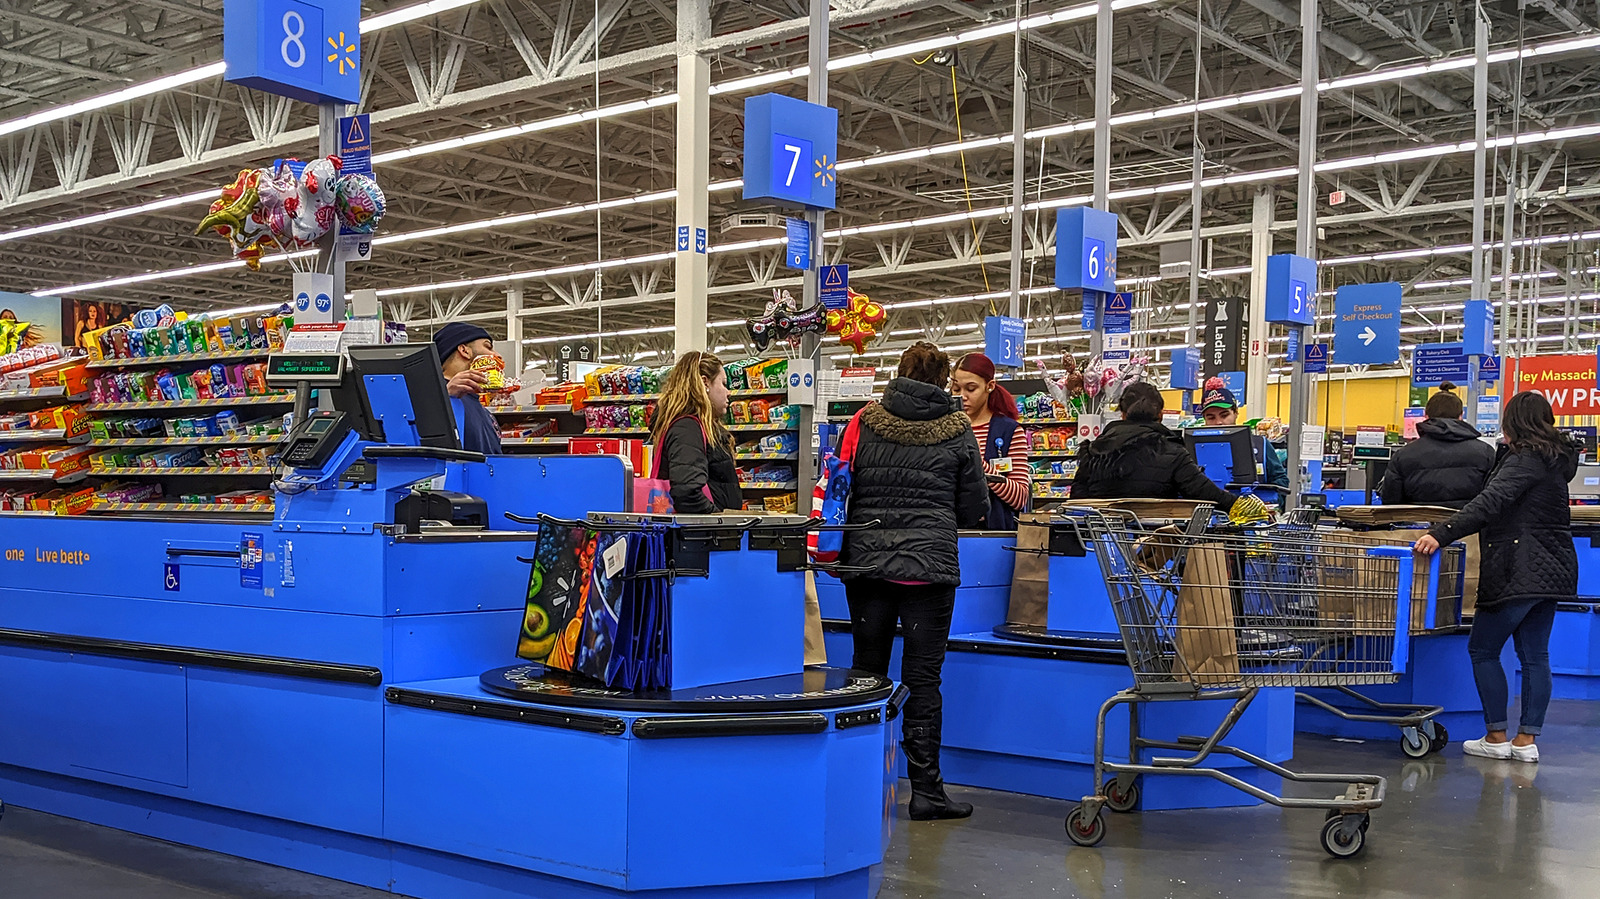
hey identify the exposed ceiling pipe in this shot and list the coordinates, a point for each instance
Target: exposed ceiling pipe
(1349, 50)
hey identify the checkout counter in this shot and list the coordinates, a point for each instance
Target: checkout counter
(336, 690)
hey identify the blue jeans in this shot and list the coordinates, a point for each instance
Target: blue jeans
(1528, 622)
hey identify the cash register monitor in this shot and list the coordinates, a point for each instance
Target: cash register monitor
(1586, 483)
(382, 380)
(1226, 455)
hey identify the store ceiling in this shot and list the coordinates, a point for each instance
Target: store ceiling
(495, 64)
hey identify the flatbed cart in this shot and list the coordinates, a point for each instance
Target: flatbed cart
(1421, 734)
(1219, 614)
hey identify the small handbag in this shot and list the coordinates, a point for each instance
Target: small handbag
(831, 496)
(653, 495)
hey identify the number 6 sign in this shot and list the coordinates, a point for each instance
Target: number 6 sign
(306, 49)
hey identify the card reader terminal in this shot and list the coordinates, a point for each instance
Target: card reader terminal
(316, 438)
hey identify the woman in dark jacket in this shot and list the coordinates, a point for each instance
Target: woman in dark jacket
(694, 450)
(916, 470)
(1140, 458)
(1528, 565)
(1446, 465)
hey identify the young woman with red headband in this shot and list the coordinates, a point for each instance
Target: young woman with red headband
(1005, 445)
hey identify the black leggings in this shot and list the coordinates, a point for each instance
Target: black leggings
(923, 611)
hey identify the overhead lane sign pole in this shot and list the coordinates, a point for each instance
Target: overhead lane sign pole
(307, 50)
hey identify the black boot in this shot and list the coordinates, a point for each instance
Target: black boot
(928, 799)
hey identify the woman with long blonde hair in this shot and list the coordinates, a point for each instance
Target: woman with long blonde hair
(692, 445)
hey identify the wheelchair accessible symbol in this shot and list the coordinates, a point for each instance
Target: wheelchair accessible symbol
(170, 579)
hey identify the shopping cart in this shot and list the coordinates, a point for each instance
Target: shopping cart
(1435, 604)
(1220, 613)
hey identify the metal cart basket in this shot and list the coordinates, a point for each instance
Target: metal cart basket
(1220, 613)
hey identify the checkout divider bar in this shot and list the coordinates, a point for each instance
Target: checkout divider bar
(203, 658)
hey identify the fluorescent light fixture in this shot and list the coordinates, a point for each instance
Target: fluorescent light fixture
(410, 13)
(112, 98)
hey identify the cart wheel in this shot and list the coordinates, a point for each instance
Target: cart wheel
(1121, 801)
(1339, 844)
(1413, 743)
(1083, 830)
(1441, 738)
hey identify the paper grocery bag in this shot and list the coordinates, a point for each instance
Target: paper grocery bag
(1206, 638)
(816, 649)
(1030, 576)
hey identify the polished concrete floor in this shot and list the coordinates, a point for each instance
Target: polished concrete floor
(1453, 827)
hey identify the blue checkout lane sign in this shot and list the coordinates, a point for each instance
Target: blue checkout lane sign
(1433, 364)
(1366, 324)
(791, 151)
(169, 577)
(252, 557)
(309, 50)
(1086, 249)
(798, 253)
(1003, 340)
(1316, 358)
(1290, 280)
(833, 286)
(355, 145)
(1185, 369)
(1489, 369)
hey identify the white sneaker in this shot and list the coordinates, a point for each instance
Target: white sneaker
(1528, 753)
(1482, 748)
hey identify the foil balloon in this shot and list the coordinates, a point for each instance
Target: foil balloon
(312, 212)
(229, 211)
(358, 204)
(857, 323)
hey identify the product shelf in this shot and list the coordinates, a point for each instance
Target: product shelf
(762, 427)
(56, 435)
(528, 410)
(180, 358)
(1051, 454)
(623, 398)
(30, 474)
(276, 399)
(41, 393)
(535, 441)
(236, 440)
(767, 457)
(224, 508)
(239, 470)
(781, 486)
(614, 432)
(1047, 422)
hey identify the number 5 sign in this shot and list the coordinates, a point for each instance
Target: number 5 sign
(1290, 282)
(306, 49)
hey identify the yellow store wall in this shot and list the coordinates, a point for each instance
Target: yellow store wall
(1341, 404)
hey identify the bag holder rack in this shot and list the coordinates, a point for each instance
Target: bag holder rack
(689, 546)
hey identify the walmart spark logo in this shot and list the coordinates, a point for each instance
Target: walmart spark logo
(825, 171)
(341, 53)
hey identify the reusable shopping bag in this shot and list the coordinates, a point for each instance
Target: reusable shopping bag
(558, 580)
(831, 496)
(653, 495)
(597, 639)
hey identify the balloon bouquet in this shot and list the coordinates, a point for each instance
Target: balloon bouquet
(784, 320)
(280, 208)
(1095, 389)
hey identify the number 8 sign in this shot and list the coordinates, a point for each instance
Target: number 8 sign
(305, 49)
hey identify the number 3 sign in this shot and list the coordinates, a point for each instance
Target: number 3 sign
(306, 49)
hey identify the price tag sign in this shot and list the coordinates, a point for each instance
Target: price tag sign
(309, 50)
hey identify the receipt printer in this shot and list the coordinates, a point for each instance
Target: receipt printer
(446, 506)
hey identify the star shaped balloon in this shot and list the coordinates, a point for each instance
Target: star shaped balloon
(857, 323)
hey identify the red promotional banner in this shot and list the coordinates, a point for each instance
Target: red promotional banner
(1568, 382)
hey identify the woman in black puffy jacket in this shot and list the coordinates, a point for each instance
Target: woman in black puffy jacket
(1138, 457)
(918, 471)
(1528, 564)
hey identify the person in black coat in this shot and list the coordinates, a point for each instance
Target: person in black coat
(1447, 465)
(1528, 565)
(917, 470)
(693, 449)
(1138, 457)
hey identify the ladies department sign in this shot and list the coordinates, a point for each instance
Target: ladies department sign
(1568, 382)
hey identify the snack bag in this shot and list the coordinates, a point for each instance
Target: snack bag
(494, 370)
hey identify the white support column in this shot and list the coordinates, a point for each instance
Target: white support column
(1102, 137)
(1260, 248)
(691, 276)
(1302, 389)
(1480, 182)
(514, 327)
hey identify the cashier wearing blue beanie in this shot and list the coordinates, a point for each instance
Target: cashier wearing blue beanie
(458, 344)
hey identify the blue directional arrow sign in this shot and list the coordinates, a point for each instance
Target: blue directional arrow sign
(700, 241)
(683, 238)
(1433, 364)
(1366, 324)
